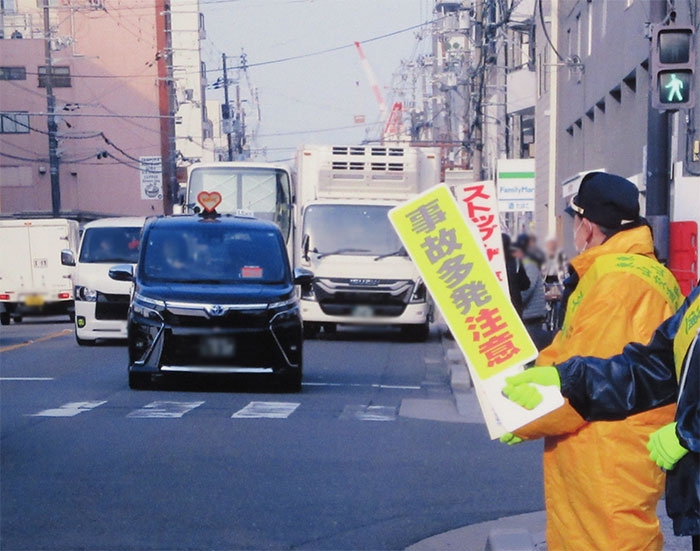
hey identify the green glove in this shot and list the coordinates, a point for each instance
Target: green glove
(519, 390)
(510, 439)
(664, 447)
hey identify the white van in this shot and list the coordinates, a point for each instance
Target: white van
(101, 303)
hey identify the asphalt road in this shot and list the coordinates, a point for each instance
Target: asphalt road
(217, 464)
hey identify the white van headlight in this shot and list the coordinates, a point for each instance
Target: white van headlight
(85, 293)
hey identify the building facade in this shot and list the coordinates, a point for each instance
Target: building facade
(124, 106)
(593, 109)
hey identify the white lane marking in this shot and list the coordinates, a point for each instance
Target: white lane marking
(266, 410)
(69, 410)
(164, 410)
(369, 413)
(373, 385)
(26, 378)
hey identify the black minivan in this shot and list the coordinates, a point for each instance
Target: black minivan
(213, 294)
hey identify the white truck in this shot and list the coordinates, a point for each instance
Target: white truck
(259, 188)
(363, 275)
(32, 279)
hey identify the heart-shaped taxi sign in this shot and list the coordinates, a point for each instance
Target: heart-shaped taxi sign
(209, 200)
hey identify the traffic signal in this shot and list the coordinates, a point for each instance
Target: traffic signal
(672, 67)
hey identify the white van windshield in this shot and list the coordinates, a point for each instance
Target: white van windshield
(113, 245)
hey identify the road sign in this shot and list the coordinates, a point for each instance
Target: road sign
(449, 254)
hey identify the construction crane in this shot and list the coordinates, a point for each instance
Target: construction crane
(393, 122)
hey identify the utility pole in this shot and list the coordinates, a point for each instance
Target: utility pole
(51, 118)
(226, 112)
(239, 124)
(166, 103)
(477, 95)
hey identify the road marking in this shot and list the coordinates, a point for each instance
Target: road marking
(41, 339)
(369, 413)
(164, 410)
(26, 379)
(373, 385)
(69, 410)
(266, 410)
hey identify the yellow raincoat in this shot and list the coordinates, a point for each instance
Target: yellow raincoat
(601, 488)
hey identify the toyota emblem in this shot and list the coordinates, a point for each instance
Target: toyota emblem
(216, 310)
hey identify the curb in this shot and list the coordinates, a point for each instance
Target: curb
(460, 380)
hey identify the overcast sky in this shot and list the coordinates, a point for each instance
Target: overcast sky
(312, 98)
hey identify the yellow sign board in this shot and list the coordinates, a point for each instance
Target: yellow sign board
(455, 269)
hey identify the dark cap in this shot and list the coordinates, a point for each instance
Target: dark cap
(606, 199)
(522, 242)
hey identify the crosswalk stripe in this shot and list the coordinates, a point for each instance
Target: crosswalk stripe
(369, 413)
(69, 410)
(266, 410)
(164, 410)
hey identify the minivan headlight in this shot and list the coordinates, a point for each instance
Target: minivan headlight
(85, 293)
(282, 304)
(148, 307)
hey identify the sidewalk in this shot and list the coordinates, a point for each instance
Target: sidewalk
(524, 532)
(521, 533)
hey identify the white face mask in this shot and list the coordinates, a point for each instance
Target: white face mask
(585, 245)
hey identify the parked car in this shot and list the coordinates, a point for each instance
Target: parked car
(101, 303)
(213, 294)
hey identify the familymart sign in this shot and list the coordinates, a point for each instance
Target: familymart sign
(516, 185)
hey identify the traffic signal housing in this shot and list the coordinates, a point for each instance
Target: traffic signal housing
(672, 68)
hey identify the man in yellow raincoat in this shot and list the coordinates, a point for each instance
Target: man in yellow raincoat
(601, 487)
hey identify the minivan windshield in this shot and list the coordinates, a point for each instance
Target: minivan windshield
(110, 244)
(214, 253)
(350, 230)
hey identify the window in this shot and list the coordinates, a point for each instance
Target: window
(13, 73)
(521, 49)
(60, 76)
(14, 123)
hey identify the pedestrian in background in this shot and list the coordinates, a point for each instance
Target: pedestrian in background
(517, 278)
(601, 487)
(534, 304)
(555, 270)
(642, 378)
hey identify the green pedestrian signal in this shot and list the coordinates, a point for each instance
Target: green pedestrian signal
(672, 68)
(674, 86)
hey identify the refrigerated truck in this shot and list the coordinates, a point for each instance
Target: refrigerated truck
(32, 279)
(362, 274)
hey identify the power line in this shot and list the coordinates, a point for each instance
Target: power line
(330, 50)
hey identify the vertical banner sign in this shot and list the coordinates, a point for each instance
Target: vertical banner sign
(151, 172)
(479, 205)
(516, 185)
(485, 325)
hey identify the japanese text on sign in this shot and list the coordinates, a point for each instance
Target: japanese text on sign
(479, 204)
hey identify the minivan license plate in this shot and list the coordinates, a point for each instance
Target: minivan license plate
(217, 347)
